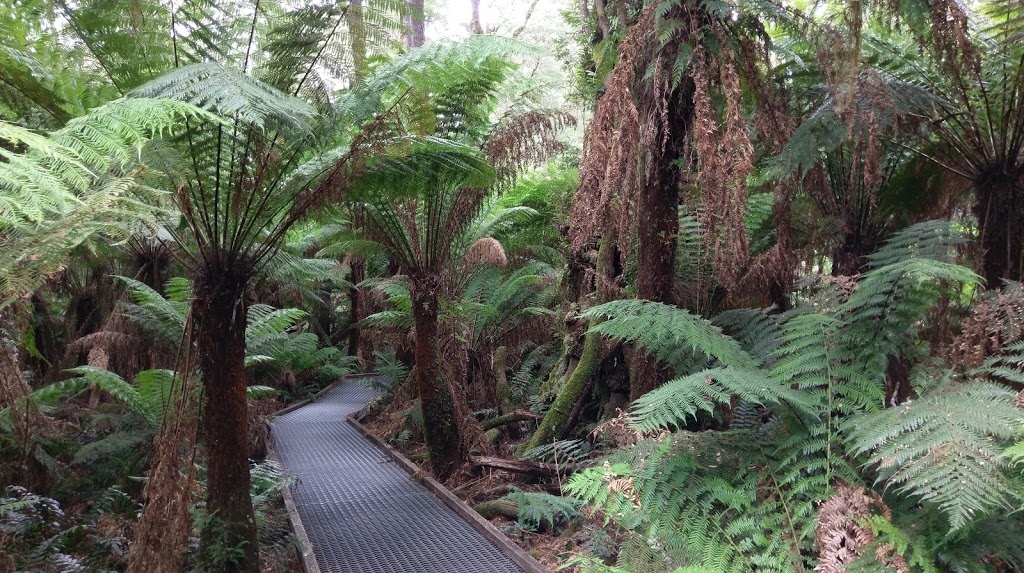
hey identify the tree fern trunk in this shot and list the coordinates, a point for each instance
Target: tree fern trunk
(440, 428)
(219, 316)
(657, 234)
(1001, 219)
(357, 303)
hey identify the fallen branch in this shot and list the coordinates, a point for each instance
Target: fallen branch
(496, 507)
(520, 466)
(517, 416)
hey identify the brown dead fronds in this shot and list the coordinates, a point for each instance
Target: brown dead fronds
(486, 251)
(842, 537)
(995, 322)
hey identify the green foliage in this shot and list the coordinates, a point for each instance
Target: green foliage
(84, 179)
(164, 317)
(39, 536)
(945, 448)
(716, 500)
(560, 452)
(677, 401)
(148, 397)
(536, 508)
(802, 408)
(673, 335)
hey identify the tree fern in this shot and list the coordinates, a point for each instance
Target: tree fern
(85, 179)
(670, 333)
(945, 448)
(674, 403)
(711, 500)
(164, 317)
(147, 398)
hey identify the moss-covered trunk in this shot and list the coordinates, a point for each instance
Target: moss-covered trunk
(219, 316)
(554, 422)
(440, 428)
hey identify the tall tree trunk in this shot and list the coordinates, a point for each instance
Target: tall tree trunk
(219, 315)
(474, 19)
(657, 235)
(357, 38)
(415, 21)
(1000, 212)
(440, 428)
(356, 304)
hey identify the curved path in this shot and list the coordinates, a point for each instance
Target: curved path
(363, 514)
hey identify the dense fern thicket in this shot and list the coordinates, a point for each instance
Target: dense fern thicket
(748, 299)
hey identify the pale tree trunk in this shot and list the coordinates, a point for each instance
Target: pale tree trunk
(474, 19)
(357, 38)
(526, 20)
(415, 21)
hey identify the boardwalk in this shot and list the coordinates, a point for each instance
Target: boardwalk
(361, 512)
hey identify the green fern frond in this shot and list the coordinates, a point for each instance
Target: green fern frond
(164, 317)
(257, 392)
(536, 508)
(229, 92)
(561, 452)
(756, 330)
(936, 240)
(944, 448)
(265, 320)
(673, 404)
(712, 500)
(157, 391)
(118, 388)
(672, 334)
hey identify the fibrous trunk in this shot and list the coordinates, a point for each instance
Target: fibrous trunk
(1001, 219)
(219, 316)
(657, 235)
(440, 427)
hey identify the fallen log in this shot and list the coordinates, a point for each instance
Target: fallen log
(520, 466)
(517, 416)
(496, 507)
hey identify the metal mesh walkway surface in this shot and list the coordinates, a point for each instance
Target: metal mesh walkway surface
(363, 514)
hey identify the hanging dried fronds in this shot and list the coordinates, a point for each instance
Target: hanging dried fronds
(995, 322)
(615, 146)
(13, 387)
(165, 525)
(524, 140)
(725, 159)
